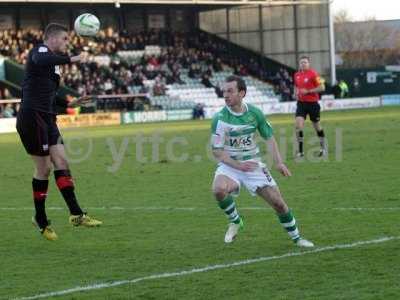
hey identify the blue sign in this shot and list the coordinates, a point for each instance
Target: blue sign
(390, 100)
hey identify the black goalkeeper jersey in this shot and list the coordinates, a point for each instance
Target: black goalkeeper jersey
(42, 79)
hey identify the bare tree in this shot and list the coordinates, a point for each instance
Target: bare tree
(342, 16)
(364, 44)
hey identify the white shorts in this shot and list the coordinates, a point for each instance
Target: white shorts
(258, 178)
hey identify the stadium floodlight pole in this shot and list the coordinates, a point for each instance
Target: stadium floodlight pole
(332, 51)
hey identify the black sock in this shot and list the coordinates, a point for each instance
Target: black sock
(321, 135)
(300, 139)
(66, 186)
(39, 188)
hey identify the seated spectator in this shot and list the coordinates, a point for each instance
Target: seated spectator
(159, 87)
(209, 72)
(154, 61)
(8, 111)
(217, 65)
(150, 71)
(285, 92)
(108, 87)
(243, 70)
(138, 78)
(194, 71)
(177, 77)
(205, 80)
(254, 68)
(7, 94)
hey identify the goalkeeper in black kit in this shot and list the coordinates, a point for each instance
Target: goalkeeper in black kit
(37, 127)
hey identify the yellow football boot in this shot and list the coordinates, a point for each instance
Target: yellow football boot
(47, 232)
(84, 220)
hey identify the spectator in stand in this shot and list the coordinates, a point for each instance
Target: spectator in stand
(108, 87)
(205, 80)
(243, 71)
(285, 92)
(159, 88)
(8, 111)
(284, 84)
(194, 71)
(254, 68)
(6, 94)
(144, 90)
(154, 61)
(176, 75)
(209, 71)
(217, 65)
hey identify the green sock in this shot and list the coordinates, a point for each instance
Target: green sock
(229, 207)
(289, 223)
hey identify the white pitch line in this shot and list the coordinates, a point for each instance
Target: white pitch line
(366, 208)
(105, 285)
(165, 208)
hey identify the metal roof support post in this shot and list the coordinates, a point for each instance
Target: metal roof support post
(332, 51)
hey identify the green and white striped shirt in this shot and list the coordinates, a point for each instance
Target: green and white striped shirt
(235, 132)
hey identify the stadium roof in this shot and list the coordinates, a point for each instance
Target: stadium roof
(193, 2)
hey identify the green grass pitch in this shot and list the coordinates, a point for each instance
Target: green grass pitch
(160, 217)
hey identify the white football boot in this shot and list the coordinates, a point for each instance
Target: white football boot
(232, 231)
(304, 243)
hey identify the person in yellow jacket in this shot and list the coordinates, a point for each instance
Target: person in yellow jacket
(344, 89)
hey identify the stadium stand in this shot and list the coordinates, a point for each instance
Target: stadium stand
(173, 70)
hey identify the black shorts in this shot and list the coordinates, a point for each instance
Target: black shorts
(38, 131)
(308, 108)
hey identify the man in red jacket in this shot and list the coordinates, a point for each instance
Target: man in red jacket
(308, 84)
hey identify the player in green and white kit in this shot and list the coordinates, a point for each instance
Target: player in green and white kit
(233, 142)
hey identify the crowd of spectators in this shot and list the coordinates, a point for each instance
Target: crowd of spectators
(197, 53)
(284, 85)
(7, 110)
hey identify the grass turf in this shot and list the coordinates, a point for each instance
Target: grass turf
(159, 216)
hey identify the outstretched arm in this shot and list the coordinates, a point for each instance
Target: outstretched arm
(43, 57)
(80, 101)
